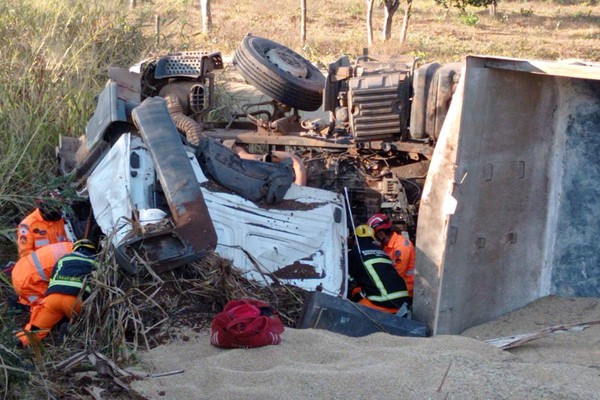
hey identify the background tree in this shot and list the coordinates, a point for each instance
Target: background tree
(404, 28)
(303, 22)
(462, 4)
(493, 6)
(206, 16)
(391, 6)
(370, 21)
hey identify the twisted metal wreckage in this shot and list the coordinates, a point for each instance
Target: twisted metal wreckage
(486, 158)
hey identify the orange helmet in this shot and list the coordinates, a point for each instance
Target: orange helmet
(379, 222)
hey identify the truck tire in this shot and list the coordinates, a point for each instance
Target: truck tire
(280, 73)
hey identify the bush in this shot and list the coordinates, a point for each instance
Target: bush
(469, 18)
(462, 4)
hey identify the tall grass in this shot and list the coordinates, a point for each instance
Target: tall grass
(54, 59)
(15, 371)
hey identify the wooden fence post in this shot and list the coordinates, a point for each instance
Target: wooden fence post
(157, 29)
(303, 22)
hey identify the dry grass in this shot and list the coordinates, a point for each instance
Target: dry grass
(524, 29)
(127, 313)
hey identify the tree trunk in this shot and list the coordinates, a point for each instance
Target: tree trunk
(157, 29)
(493, 7)
(391, 6)
(404, 29)
(303, 22)
(206, 16)
(370, 21)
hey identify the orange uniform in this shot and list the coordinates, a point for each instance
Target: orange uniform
(402, 253)
(35, 232)
(62, 297)
(31, 274)
(55, 307)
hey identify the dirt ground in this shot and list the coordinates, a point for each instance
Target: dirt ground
(324, 365)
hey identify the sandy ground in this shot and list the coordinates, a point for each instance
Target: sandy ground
(316, 364)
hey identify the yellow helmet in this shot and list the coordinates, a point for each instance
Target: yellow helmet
(364, 231)
(84, 244)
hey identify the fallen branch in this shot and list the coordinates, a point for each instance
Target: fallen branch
(444, 378)
(509, 342)
(106, 366)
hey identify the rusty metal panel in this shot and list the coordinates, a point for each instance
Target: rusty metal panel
(194, 233)
(301, 241)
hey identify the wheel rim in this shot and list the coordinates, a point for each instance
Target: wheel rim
(288, 62)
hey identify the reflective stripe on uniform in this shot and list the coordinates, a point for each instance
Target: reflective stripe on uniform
(60, 282)
(41, 242)
(377, 281)
(32, 298)
(390, 296)
(38, 266)
(56, 281)
(373, 274)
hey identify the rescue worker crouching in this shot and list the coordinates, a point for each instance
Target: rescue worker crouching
(45, 225)
(31, 275)
(398, 247)
(376, 283)
(66, 291)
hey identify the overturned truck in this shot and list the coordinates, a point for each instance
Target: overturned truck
(478, 161)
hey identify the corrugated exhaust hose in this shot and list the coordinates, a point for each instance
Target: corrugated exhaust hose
(192, 129)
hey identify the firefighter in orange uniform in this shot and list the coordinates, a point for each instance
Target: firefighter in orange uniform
(45, 225)
(400, 249)
(65, 294)
(31, 274)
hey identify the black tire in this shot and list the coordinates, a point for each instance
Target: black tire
(304, 92)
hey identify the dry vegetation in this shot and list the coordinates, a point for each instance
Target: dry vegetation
(54, 58)
(530, 29)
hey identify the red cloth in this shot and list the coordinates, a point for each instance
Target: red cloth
(246, 323)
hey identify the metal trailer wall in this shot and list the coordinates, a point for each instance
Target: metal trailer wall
(510, 212)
